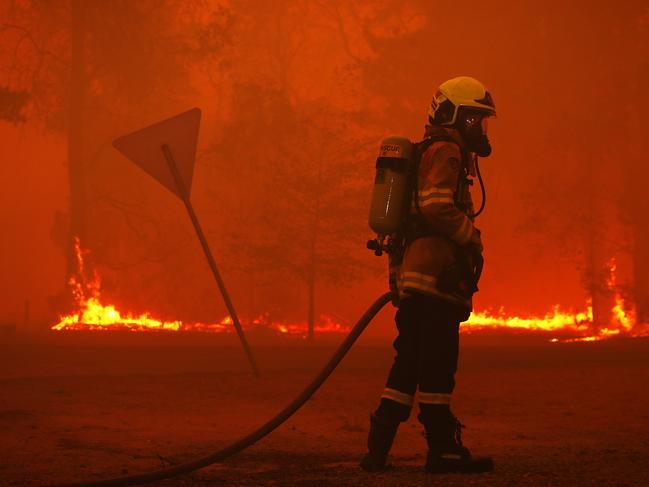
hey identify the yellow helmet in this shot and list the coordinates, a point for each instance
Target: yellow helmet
(456, 93)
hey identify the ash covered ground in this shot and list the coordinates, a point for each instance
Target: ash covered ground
(81, 409)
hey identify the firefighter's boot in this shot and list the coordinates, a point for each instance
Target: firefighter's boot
(446, 453)
(379, 442)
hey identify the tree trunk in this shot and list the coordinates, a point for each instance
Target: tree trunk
(313, 255)
(311, 286)
(76, 176)
(596, 272)
(641, 267)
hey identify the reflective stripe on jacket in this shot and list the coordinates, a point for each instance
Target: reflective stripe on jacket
(441, 185)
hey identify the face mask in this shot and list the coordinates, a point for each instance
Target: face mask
(473, 127)
(479, 144)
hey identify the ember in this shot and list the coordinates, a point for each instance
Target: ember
(91, 314)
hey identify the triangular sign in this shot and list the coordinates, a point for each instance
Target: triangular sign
(180, 134)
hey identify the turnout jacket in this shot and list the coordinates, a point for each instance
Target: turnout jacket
(433, 260)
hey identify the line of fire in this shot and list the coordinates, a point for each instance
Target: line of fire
(91, 313)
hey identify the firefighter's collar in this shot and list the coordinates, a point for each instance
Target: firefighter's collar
(432, 130)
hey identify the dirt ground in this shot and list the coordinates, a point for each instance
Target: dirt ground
(550, 414)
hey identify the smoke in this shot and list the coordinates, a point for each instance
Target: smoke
(296, 97)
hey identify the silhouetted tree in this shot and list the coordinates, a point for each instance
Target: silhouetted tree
(90, 65)
(302, 160)
(12, 105)
(634, 201)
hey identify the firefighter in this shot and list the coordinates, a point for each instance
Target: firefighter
(435, 277)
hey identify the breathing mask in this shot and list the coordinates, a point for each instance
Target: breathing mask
(472, 125)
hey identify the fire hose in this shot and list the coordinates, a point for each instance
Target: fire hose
(263, 430)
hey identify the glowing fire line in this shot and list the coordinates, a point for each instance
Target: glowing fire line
(93, 315)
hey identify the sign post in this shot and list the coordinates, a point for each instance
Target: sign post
(150, 148)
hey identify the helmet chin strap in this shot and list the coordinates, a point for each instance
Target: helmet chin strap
(482, 186)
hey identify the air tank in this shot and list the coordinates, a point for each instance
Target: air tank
(392, 188)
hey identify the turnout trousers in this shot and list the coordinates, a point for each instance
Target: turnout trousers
(427, 349)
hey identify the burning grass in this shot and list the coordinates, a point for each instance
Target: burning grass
(560, 325)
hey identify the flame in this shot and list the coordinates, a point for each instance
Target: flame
(577, 324)
(92, 314)
(325, 324)
(557, 320)
(625, 319)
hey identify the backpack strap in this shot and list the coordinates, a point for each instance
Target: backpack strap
(421, 147)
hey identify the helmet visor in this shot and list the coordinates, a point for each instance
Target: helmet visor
(474, 121)
(484, 123)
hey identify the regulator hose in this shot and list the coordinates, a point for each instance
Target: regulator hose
(262, 431)
(482, 188)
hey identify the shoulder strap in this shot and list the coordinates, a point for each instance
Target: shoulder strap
(423, 145)
(420, 148)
